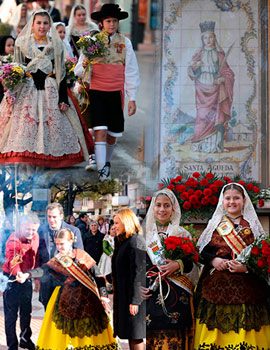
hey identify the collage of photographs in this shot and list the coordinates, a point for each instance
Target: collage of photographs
(134, 175)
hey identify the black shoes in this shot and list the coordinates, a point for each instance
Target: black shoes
(27, 345)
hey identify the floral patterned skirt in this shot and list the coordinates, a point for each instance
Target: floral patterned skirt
(169, 339)
(34, 131)
(215, 339)
(51, 338)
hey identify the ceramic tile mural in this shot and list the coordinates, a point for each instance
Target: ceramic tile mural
(210, 106)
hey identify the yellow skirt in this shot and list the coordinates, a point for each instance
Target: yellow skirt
(51, 338)
(259, 340)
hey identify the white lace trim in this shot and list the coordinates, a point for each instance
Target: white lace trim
(25, 47)
(37, 125)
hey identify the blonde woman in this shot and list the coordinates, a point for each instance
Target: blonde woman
(128, 271)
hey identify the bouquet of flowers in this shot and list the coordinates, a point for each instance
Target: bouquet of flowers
(256, 257)
(93, 46)
(11, 76)
(176, 248)
(264, 197)
(70, 64)
(198, 194)
(5, 59)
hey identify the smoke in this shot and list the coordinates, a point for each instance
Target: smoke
(3, 282)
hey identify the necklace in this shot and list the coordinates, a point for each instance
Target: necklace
(161, 226)
(233, 219)
(40, 38)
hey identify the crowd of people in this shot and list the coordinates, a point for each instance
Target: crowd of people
(226, 306)
(63, 262)
(43, 122)
(75, 263)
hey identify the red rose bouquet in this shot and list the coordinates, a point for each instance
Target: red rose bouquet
(198, 194)
(256, 257)
(183, 248)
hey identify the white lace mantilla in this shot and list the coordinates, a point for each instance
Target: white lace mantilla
(172, 230)
(36, 124)
(249, 214)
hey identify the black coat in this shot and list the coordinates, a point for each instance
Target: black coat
(128, 271)
(82, 226)
(55, 14)
(93, 245)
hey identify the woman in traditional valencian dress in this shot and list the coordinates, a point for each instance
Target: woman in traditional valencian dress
(19, 19)
(232, 303)
(169, 309)
(42, 127)
(79, 23)
(76, 313)
(61, 29)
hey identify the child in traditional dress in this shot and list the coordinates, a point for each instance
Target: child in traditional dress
(112, 74)
(76, 315)
(232, 303)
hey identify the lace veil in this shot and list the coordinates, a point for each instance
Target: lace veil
(249, 214)
(7, 8)
(174, 227)
(25, 47)
(65, 41)
(16, 16)
(72, 20)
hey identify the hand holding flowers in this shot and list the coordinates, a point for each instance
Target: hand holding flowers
(93, 46)
(180, 248)
(256, 257)
(11, 75)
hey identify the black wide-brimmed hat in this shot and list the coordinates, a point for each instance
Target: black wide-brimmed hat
(109, 10)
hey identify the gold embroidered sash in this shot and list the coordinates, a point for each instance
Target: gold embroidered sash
(77, 273)
(183, 281)
(231, 237)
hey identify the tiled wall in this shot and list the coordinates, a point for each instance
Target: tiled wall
(237, 26)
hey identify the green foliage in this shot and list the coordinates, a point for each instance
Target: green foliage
(66, 191)
(195, 234)
(5, 29)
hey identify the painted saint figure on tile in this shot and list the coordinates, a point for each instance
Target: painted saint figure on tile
(214, 81)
